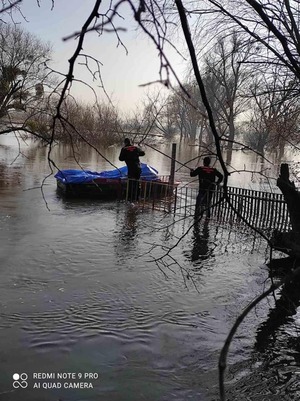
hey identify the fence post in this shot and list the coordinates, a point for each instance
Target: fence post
(173, 161)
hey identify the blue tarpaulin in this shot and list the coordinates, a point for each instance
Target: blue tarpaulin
(83, 176)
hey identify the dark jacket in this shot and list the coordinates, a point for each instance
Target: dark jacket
(207, 177)
(130, 155)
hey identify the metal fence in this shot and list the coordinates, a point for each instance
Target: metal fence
(263, 210)
(155, 195)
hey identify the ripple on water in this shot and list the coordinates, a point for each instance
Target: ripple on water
(123, 322)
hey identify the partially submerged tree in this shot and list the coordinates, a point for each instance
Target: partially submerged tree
(185, 112)
(96, 124)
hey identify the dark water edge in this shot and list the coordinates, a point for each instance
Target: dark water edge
(80, 293)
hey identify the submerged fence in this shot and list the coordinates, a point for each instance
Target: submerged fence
(158, 195)
(265, 211)
(262, 210)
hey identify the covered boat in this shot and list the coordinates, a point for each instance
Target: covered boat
(110, 184)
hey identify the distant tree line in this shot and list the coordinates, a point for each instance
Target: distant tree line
(29, 93)
(255, 106)
(258, 107)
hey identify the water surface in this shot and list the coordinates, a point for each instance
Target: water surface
(81, 292)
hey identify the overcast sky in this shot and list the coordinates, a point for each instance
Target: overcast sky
(122, 74)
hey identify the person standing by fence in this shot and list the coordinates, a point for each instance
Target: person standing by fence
(130, 154)
(207, 182)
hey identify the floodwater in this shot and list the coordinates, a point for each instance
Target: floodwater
(89, 295)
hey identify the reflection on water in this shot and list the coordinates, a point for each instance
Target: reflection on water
(287, 301)
(202, 248)
(80, 292)
(276, 353)
(129, 229)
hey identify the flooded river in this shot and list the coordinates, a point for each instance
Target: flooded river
(87, 313)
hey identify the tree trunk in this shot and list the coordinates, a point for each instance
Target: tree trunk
(289, 242)
(291, 196)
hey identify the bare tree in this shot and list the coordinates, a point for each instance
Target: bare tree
(22, 68)
(226, 79)
(185, 112)
(159, 113)
(7, 7)
(272, 26)
(275, 113)
(96, 124)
